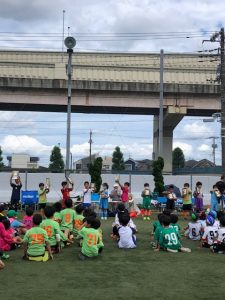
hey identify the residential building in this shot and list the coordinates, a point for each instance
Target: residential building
(22, 161)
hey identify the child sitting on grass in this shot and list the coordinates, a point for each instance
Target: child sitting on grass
(7, 239)
(157, 229)
(67, 217)
(219, 243)
(127, 238)
(202, 220)
(17, 226)
(91, 239)
(210, 233)
(28, 218)
(57, 216)
(194, 229)
(116, 224)
(78, 219)
(169, 238)
(35, 241)
(174, 224)
(55, 235)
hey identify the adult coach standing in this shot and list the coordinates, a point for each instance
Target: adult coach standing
(16, 187)
(221, 187)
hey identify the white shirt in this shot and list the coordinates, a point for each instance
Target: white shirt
(194, 230)
(221, 235)
(87, 195)
(210, 234)
(203, 223)
(117, 223)
(127, 238)
(216, 224)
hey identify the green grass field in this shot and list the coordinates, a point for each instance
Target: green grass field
(118, 274)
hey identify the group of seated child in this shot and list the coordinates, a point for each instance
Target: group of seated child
(206, 227)
(209, 229)
(166, 233)
(43, 236)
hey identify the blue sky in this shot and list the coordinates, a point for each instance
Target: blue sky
(36, 133)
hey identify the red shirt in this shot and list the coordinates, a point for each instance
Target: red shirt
(125, 194)
(66, 194)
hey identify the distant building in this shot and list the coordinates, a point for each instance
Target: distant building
(82, 165)
(203, 163)
(138, 165)
(22, 161)
(130, 165)
(107, 163)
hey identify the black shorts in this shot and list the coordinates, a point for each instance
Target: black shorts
(170, 204)
(42, 205)
(219, 247)
(187, 207)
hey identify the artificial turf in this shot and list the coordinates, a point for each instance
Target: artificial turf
(139, 273)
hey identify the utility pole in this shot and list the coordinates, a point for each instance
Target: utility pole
(219, 37)
(70, 43)
(90, 142)
(222, 95)
(214, 146)
(161, 104)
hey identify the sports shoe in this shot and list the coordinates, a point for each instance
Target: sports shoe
(5, 256)
(171, 250)
(81, 256)
(187, 250)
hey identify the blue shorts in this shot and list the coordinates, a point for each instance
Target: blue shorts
(104, 204)
(86, 205)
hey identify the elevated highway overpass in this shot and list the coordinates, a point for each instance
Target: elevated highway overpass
(120, 83)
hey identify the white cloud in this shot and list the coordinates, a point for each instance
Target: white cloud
(187, 148)
(204, 148)
(24, 144)
(196, 130)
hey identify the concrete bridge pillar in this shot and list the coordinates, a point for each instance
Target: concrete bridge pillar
(172, 117)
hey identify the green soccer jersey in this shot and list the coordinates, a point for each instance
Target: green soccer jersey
(157, 232)
(36, 239)
(169, 239)
(57, 216)
(177, 228)
(67, 217)
(78, 222)
(155, 225)
(91, 241)
(52, 228)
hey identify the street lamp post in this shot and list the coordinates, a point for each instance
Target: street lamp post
(70, 43)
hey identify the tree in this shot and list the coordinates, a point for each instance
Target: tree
(117, 160)
(178, 158)
(1, 159)
(95, 171)
(56, 160)
(157, 169)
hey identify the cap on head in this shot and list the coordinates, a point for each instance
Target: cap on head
(194, 216)
(210, 220)
(12, 213)
(213, 213)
